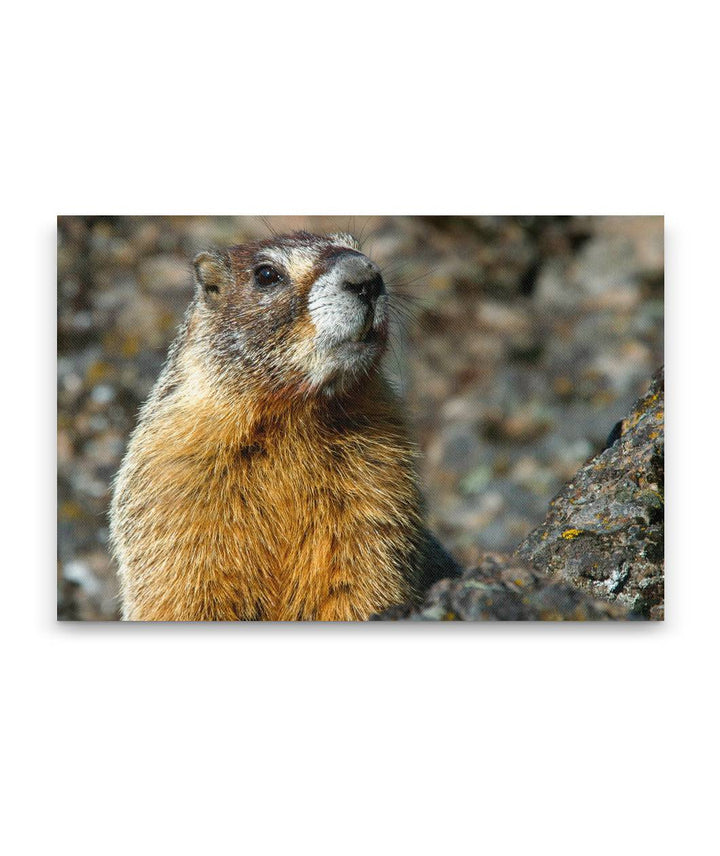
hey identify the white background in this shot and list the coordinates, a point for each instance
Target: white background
(380, 738)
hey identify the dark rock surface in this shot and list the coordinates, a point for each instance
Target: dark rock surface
(597, 556)
(604, 530)
(504, 588)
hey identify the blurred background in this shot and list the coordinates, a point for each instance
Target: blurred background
(519, 342)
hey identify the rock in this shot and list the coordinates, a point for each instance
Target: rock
(597, 556)
(456, 450)
(504, 588)
(604, 530)
(162, 273)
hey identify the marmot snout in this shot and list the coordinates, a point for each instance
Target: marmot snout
(270, 475)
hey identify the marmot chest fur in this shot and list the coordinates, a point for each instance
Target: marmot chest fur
(270, 475)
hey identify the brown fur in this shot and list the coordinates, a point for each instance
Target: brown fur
(244, 496)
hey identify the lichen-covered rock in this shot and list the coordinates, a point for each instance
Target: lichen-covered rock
(604, 530)
(503, 588)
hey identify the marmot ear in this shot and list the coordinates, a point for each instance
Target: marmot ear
(212, 274)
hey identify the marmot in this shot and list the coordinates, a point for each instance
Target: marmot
(271, 475)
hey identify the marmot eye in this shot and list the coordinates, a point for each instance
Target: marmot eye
(266, 275)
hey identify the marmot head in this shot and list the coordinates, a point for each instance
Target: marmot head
(296, 313)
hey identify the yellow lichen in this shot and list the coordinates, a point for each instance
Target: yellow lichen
(569, 534)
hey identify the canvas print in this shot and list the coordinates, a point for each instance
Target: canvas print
(316, 419)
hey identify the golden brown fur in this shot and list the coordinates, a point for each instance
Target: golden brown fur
(247, 494)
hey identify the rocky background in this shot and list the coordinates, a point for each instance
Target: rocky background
(520, 343)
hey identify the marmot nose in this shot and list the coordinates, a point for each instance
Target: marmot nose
(367, 289)
(355, 272)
